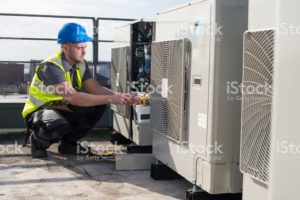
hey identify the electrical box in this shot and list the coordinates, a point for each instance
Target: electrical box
(131, 64)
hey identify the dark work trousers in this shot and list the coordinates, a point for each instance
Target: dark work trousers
(53, 125)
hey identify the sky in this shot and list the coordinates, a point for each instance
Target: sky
(48, 27)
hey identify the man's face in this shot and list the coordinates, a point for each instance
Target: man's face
(75, 51)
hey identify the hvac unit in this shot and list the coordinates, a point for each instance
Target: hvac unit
(257, 99)
(196, 125)
(285, 157)
(131, 73)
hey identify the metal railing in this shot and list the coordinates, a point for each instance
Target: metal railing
(95, 21)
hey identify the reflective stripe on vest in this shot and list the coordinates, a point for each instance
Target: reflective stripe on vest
(40, 94)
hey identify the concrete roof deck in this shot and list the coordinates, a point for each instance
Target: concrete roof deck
(64, 177)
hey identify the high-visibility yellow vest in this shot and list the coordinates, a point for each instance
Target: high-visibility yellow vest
(40, 94)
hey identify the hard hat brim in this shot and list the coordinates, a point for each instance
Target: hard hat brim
(86, 39)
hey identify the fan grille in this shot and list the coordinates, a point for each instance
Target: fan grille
(257, 104)
(169, 61)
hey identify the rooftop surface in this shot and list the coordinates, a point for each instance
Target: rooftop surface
(63, 177)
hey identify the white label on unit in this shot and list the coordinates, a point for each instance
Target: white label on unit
(202, 120)
(117, 79)
(164, 88)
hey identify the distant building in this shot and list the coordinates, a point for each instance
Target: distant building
(11, 74)
(12, 79)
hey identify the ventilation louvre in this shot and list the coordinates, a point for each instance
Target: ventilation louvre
(119, 77)
(256, 106)
(169, 69)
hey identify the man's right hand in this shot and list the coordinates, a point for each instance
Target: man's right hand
(122, 98)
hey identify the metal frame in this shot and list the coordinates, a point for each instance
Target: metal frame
(95, 21)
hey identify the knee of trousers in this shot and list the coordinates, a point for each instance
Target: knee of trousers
(44, 137)
(54, 132)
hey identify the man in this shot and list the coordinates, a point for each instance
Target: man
(64, 100)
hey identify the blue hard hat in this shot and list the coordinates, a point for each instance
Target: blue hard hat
(74, 33)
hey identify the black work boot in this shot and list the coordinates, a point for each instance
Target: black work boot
(35, 151)
(66, 148)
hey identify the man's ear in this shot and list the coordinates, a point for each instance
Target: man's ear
(64, 47)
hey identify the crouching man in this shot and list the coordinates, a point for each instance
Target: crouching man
(65, 101)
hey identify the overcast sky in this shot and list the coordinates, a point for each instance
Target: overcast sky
(48, 27)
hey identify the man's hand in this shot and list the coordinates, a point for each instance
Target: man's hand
(135, 100)
(123, 98)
